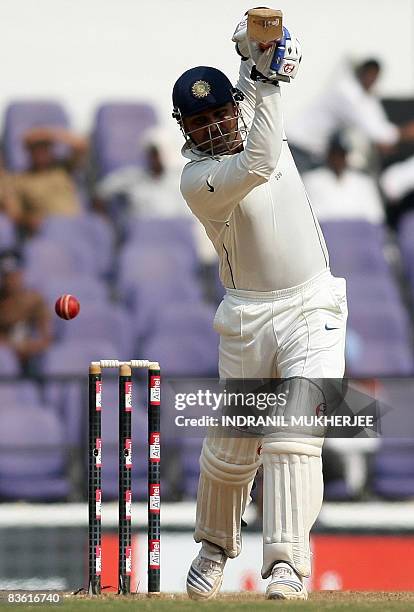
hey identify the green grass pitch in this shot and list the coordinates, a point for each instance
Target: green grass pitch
(326, 601)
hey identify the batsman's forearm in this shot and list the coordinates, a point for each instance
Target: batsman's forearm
(264, 143)
(248, 88)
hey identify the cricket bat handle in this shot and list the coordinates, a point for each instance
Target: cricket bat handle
(264, 25)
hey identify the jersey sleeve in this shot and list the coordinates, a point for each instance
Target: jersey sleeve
(214, 187)
(248, 88)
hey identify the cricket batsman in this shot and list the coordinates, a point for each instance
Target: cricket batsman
(283, 315)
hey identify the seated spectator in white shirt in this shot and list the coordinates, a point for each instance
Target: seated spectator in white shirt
(348, 103)
(152, 190)
(339, 192)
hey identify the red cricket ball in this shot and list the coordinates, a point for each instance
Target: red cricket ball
(67, 306)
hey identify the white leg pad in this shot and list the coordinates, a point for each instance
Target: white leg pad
(292, 499)
(227, 470)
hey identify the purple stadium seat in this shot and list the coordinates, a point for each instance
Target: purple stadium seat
(101, 322)
(344, 262)
(32, 452)
(91, 230)
(150, 278)
(20, 117)
(100, 231)
(190, 319)
(88, 290)
(393, 476)
(220, 291)
(70, 359)
(377, 339)
(363, 290)
(45, 258)
(184, 351)
(165, 232)
(336, 490)
(149, 302)
(396, 395)
(393, 466)
(77, 255)
(191, 450)
(73, 357)
(50, 488)
(22, 391)
(68, 399)
(196, 318)
(354, 231)
(7, 233)
(153, 264)
(373, 358)
(168, 414)
(190, 486)
(377, 322)
(9, 364)
(406, 241)
(355, 247)
(118, 128)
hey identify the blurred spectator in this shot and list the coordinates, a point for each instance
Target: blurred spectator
(348, 103)
(9, 204)
(152, 190)
(48, 187)
(25, 324)
(397, 181)
(339, 192)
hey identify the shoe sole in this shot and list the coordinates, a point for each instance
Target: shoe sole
(280, 595)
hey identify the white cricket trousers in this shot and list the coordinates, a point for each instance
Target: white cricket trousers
(295, 332)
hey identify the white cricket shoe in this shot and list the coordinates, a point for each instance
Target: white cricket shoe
(205, 575)
(285, 583)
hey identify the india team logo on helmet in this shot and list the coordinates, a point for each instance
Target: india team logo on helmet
(201, 89)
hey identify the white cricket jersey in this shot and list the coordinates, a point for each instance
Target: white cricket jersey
(253, 204)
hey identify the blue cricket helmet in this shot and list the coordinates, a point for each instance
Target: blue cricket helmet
(201, 88)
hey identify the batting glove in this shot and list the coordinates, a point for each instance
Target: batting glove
(279, 62)
(240, 38)
(285, 61)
